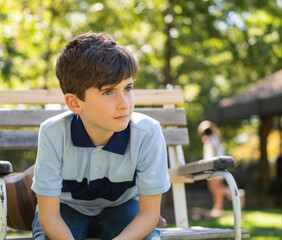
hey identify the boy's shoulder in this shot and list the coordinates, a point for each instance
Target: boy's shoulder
(143, 122)
(58, 120)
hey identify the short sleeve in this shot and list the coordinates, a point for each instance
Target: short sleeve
(152, 170)
(47, 179)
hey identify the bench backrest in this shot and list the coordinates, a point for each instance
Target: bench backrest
(19, 127)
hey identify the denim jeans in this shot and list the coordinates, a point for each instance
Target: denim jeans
(107, 225)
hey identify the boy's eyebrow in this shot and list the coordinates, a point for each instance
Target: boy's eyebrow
(107, 87)
(112, 87)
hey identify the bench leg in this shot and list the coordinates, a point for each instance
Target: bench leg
(176, 158)
(3, 209)
(235, 200)
(234, 193)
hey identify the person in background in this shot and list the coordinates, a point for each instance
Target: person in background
(213, 146)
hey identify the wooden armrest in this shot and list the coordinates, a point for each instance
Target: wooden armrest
(211, 164)
(175, 177)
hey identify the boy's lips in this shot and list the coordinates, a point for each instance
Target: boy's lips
(121, 117)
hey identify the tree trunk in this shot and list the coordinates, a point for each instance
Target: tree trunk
(265, 127)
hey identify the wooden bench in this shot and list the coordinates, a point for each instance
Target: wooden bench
(19, 130)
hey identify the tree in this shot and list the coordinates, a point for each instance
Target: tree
(211, 48)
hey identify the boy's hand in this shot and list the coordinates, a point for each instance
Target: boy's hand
(146, 219)
(50, 218)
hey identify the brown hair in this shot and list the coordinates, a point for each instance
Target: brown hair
(93, 60)
(207, 127)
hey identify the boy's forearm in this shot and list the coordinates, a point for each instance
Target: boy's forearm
(54, 227)
(142, 225)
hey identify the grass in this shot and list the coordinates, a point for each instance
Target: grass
(262, 224)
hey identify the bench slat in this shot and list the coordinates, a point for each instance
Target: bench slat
(142, 97)
(193, 233)
(196, 233)
(30, 118)
(19, 139)
(176, 136)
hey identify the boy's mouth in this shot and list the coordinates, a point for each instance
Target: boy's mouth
(121, 117)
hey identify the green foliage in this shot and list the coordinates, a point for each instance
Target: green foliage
(213, 49)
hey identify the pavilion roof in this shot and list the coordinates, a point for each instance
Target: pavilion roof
(261, 98)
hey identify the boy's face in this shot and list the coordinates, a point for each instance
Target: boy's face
(108, 110)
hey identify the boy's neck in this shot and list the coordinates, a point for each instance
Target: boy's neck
(98, 136)
(100, 140)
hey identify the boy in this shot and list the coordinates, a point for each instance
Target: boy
(100, 168)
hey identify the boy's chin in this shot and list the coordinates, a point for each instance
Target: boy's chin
(121, 128)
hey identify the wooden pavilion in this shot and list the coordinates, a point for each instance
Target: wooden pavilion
(264, 99)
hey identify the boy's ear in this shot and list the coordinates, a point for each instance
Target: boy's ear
(72, 101)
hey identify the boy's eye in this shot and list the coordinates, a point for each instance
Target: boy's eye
(127, 89)
(108, 92)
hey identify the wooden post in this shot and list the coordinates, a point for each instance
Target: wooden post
(266, 123)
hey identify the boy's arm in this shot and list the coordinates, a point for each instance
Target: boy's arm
(50, 218)
(146, 219)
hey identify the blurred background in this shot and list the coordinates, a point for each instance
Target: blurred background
(214, 49)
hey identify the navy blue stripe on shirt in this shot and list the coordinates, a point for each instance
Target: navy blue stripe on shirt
(100, 188)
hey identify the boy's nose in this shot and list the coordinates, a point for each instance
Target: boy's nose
(123, 102)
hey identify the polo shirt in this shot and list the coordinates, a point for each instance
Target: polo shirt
(90, 178)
